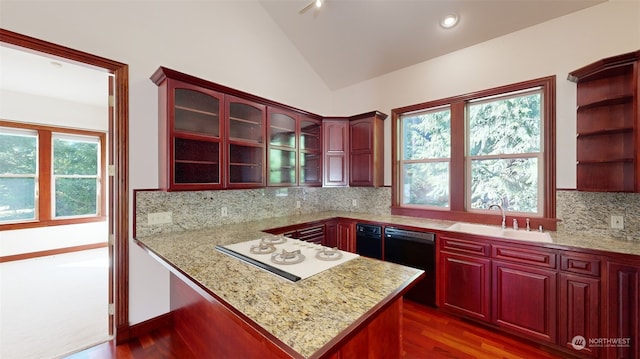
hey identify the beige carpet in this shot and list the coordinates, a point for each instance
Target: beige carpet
(52, 306)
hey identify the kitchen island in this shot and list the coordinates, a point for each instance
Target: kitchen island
(226, 308)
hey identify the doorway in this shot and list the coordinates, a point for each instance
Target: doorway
(116, 176)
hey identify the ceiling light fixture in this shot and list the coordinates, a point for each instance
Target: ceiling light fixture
(318, 3)
(450, 20)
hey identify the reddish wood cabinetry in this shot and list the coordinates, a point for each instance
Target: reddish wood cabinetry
(295, 149)
(309, 232)
(465, 276)
(336, 152)
(608, 125)
(246, 145)
(622, 304)
(191, 133)
(347, 235)
(366, 141)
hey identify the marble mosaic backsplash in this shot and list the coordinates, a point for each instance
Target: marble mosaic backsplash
(590, 213)
(586, 213)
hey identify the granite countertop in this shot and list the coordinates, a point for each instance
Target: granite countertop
(307, 314)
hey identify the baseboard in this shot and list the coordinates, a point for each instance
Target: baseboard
(143, 328)
(52, 252)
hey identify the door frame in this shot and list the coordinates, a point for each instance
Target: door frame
(119, 190)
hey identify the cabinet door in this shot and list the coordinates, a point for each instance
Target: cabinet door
(245, 134)
(331, 234)
(465, 284)
(346, 236)
(524, 299)
(622, 305)
(579, 311)
(361, 153)
(336, 153)
(191, 153)
(282, 155)
(310, 152)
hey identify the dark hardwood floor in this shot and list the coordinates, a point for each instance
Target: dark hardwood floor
(428, 333)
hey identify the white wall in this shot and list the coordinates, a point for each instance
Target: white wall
(234, 43)
(552, 48)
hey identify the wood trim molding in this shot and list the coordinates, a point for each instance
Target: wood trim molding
(120, 180)
(51, 252)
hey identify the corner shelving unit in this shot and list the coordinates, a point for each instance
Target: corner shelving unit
(608, 126)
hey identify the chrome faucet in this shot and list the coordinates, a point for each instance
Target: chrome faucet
(504, 218)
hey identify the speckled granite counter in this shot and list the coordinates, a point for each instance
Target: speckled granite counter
(319, 308)
(305, 315)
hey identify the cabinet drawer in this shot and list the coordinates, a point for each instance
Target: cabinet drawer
(457, 245)
(311, 234)
(531, 256)
(580, 264)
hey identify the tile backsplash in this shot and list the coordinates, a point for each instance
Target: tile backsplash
(580, 212)
(590, 213)
(202, 209)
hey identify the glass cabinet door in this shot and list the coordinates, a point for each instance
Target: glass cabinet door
(196, 137)
(246, 143)
(310, 152)
(282, 154)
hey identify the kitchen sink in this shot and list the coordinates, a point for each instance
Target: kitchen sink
(491, 231)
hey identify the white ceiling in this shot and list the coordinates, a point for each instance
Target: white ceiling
(349, 41)
(345, 41)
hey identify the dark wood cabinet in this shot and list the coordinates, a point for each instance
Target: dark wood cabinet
(366, 151)
(295, 149)
(336, 152)
(245, 139)
(331, 234)
(309, 232)
(579, 300)
(190, 135)
(465, 277)
(622, 308)
(524, 299)
(608, 126)
(347, 235)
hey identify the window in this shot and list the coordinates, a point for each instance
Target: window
(426, 152)
(50, 176)
(453, 158)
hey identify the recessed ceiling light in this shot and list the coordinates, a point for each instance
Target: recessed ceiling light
(318, 3)
(449, 21)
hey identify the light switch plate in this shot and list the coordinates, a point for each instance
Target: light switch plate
(159, 218)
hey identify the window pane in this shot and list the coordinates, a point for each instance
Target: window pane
(17, 199)
(426, 135)
(75, 157)
(505, 126)
(513, 183)
(76, 196)
(18, 153)
(426, 184)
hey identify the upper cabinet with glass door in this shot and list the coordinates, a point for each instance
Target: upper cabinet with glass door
(310, 152)
(282, 155)
(246, 147)
(190, 135)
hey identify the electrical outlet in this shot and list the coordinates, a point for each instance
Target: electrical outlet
(354, 203)
(159, 218)
(223, 212)
(617, 222)
(298, 204)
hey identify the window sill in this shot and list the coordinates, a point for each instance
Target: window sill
(50, 223)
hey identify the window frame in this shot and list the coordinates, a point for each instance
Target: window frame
(45, 198)
(459, 176)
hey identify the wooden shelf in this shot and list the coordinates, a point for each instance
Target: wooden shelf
(618, 100)
(605, 131)
(177, 107)
(607, 136)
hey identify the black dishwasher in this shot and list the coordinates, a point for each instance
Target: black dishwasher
(369, 240)
(417, 250)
